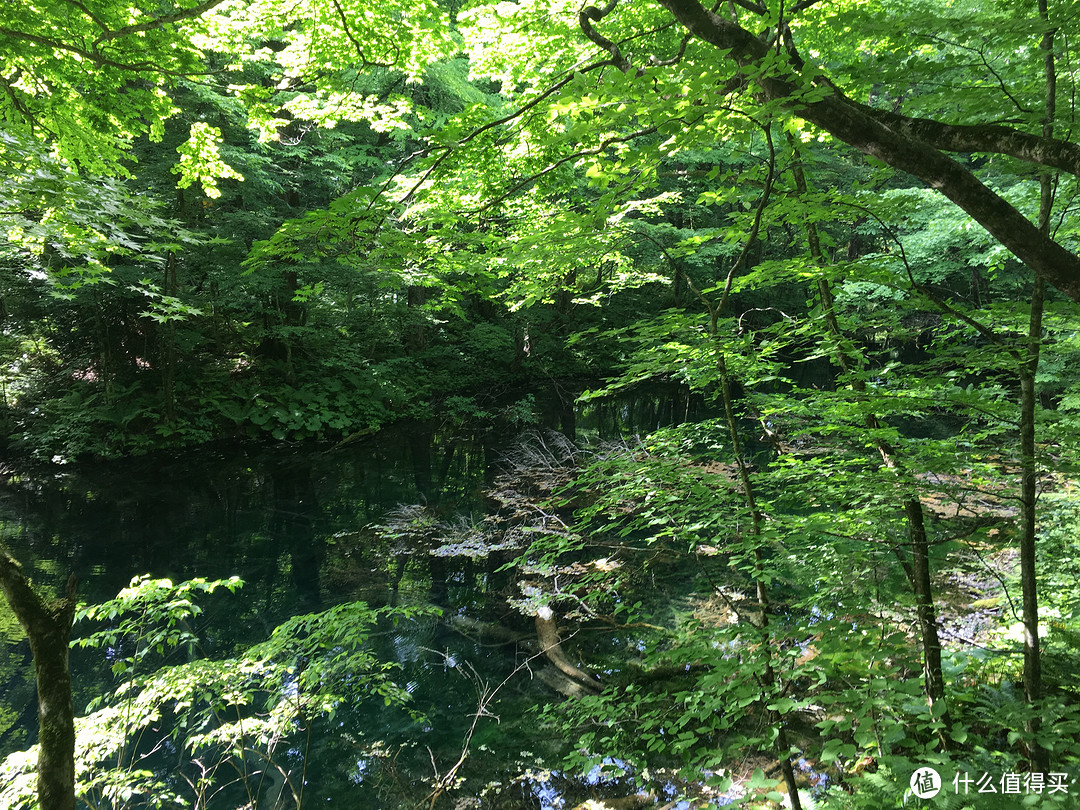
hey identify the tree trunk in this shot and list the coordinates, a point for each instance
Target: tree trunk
(769, 677)
(168, 381)
(551, 646)
(416, 336)
(919, 571)
(924, 602)
(1038, 757)
(771, 682)
(48, 626)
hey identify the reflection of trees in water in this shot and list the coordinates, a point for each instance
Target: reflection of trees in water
(278, 516)
(217, 512)
(295, 513)
(641, 410)
(264, 515)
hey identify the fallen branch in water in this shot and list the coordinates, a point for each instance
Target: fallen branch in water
(551, 646)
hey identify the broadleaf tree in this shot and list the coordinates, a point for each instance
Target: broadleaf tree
(879, 189)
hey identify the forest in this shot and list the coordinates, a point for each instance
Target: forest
(531, 404)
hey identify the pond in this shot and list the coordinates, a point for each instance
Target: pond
(301, 527)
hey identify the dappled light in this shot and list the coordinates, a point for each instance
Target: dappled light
(477, 405)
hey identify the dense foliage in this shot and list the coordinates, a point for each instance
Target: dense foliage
(844, 231)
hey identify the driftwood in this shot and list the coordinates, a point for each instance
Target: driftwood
(562, 683)
(562, 676)
(493, 633)
(551, 646)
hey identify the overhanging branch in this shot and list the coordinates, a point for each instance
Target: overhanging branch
(988, 138)
(158, 22)
(908, 145)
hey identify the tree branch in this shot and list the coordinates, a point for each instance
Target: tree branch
(525, 181)
(91, 56)
(158, 22)
(590, 14)
(990, 138)
(98, 59)
(905, 144)
(98, 21)
(356, 44)
(751, 238)
(449, 150)
(749, 5)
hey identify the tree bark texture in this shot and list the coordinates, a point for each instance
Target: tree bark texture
(924, 601)
(48, 625)
(1039, 760)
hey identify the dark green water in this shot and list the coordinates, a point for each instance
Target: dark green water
(300, 527)
(297, 526)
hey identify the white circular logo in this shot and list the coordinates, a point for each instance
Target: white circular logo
(925, 783)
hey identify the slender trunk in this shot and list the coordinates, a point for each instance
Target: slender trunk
(924, 601)
(420, 442)
(416, 336)
(770, 681)
(769, 678)
(106, 371)
(1039, 759)
(919, 570)
(293, 315)
(48, 626)
(168, 383)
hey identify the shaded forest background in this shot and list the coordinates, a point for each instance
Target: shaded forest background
(838, 238)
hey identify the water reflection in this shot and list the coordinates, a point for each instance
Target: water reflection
(308, 529)
(285, 520)
(642, 410)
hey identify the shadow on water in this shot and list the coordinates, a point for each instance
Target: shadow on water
(282, 519)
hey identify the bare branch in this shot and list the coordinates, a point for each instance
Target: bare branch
(525, 181)
(986, 64)
(555, 88)
(97, 58)
(751, 238)
(750, 5)
(676, 58)
(990, 138)
(59, 45)
(356, 44)
(98, 21)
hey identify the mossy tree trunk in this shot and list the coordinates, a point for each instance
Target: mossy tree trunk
(913, 145)
(47, 623)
